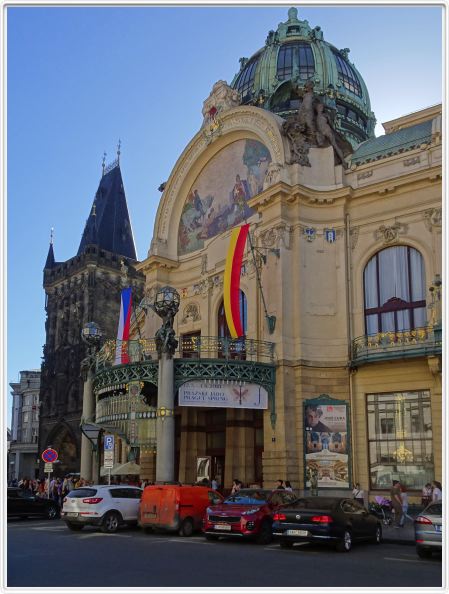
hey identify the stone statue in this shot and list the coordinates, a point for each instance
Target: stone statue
(165, 337)
(325, 132)
(312, 127)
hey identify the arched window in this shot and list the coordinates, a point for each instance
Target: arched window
(347, 75)
(237, 351)
(295, 54)
(395, 291)
(245, 81)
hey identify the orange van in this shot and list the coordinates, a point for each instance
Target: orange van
(176, 507)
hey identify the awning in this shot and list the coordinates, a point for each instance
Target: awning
(105, 471)
(92, 431)
(128, 468)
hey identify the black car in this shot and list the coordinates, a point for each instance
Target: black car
(333, 520)
(23, 503)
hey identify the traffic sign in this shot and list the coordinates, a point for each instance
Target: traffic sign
(49, 455)
(109, 463)
(48, 467)
(108, 442)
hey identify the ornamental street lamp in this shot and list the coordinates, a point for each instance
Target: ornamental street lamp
(92, 335)
(166, 305)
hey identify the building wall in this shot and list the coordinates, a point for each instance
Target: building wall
(313, 286)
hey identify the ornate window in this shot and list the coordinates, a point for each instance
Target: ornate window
(348, 75)
(394, 287)
(238, 351)
(400, 439)
(245, 81)
(295, 54)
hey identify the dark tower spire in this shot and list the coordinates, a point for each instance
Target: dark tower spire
(109, 225)
(50, 262)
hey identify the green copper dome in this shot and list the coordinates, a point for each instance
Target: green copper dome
(294, 54)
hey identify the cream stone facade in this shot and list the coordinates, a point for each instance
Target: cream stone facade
(315, 276)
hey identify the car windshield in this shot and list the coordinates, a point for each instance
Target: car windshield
(315, 503)
(249, 497)
(78, 493)
(436, 509)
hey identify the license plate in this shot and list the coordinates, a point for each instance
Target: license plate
(438, 528)
(72, 514)
(222, 527)
(297, 533)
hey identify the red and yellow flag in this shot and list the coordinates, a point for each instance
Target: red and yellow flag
(231, 284)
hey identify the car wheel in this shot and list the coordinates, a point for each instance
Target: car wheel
(345, 544)
(51, 512)
(211, 537)
(286, 544)
(423, 553)
(74, 527)
(378, 535)
(265, 536)
(186, 527)
(110, 523)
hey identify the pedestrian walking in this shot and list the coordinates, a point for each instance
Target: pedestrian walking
(236, 486)
(280, 484)
(437, 491)
(215, 484)
(404, 497)
(426, 494)
(288, 486)
(396, 502)
(358, 494)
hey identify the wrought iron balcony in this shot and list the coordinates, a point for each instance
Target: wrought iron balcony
(191, 347)
(396, 345)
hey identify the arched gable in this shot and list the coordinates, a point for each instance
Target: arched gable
(239, 124)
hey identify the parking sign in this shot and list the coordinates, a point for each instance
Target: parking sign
(108, 443)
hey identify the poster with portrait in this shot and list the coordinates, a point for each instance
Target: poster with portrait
(326, 443)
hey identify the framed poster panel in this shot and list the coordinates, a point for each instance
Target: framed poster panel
(327, 443)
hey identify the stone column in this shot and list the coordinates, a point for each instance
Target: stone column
(87, 415)
(165, 422)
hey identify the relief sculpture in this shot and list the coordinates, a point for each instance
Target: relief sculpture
(313, 126)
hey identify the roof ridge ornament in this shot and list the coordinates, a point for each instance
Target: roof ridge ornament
(118, 151)
(51, 235)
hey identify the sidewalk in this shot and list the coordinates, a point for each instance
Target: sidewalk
(405, 535)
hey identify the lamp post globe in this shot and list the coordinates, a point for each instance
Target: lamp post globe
(91, 334)
(166, 301)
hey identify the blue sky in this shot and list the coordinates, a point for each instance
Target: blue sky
(80, 78)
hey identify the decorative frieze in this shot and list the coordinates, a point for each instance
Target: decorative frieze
(432, 218)
(354, 237)
(273, 175)
(276, 237)
(191, 313)
(390, 233)
(364, 174)
(411, 161)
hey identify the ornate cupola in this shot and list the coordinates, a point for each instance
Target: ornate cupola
(275, 75)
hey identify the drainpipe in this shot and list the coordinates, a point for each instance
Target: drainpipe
(350, 337)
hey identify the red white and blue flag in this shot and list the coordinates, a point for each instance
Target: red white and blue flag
(121, 352)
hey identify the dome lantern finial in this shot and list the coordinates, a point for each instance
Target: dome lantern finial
(292, 14)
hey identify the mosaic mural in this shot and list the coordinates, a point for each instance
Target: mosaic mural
(218, 199)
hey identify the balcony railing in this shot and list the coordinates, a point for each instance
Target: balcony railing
(395, 345)
(191, 347)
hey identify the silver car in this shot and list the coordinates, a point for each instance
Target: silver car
(428, 530)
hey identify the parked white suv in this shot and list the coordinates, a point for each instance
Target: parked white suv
(107, 506)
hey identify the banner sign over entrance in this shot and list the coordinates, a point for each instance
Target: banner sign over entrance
(221, 394)
(326, 425)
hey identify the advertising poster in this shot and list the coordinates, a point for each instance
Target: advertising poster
(216, 393)
(326, 444)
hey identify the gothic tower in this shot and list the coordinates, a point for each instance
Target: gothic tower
(84, 289)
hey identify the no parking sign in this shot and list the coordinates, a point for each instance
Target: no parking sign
(49, 455)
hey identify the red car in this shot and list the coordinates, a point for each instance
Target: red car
(248, 514)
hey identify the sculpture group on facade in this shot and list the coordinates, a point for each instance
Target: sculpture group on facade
(312, 127)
